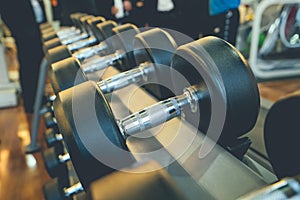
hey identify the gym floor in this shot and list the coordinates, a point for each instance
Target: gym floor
(22, 176)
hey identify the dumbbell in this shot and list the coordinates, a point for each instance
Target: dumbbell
(53, 42)
(76, 19)
(151, 57)
(53, 162)
(105, 32)
(143, 73)
(216, 71)
(123, 33)
(52, 136)
(87, 38)
(137, 182)
(49, 33)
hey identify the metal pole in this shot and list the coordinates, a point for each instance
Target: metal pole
(34, 145)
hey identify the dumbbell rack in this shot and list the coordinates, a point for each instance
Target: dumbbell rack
(8, 96)
(288, 67)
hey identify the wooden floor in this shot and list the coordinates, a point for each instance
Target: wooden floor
(21, 175)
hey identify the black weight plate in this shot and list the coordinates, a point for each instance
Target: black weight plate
(281, 135)
(53, 190)
(156, 46)
(49, 136)
(218, 66)
(49, 120)
(45, 25)
(92, 23)
(75, 18)
(58, 53)
(46, 31)
(49, 36)
(52, 164)
(123, 41)
(105, 32)
(90, 132)
(65, 74)
(83, 20)
(55, 42)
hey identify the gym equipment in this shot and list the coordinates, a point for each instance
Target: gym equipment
(34, 145)
(78, 41)
(281, 135)
(56, 190)
(270, 69)
(50, 33)
(153, 52)
(105, 31)
(150, 177)
(53, 162)
(50, 122)
(143, 73)
(287, 188)
(52, 136)
(213, 59)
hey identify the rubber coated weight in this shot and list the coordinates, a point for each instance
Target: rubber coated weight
(49, 136)
(156, 46)
(49, 120)
(83, 21)
(61, 52)
(281, 135)
(220, 61)
(45, 25)
(92, 27)
(52, 163)
(49, 36)
(161, 54)
(105, 30)
(65, 74)
(122, 41)
(90, 24)
(57, 53)
(89, 168)
(54, 189)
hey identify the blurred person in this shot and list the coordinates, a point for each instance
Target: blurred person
(118, 10)
(195, 18)
(163, 13)
(19, 16)
(62, 9)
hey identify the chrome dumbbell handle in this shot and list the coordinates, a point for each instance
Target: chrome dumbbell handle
(160, 112)
(90, 51)
(102, 62)
(82, 43)
(75, 38)
(74, 189)
(121, 80)
(64, 157)
(66, 33)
